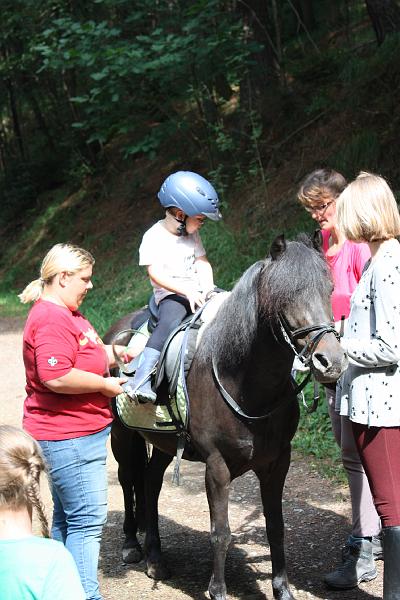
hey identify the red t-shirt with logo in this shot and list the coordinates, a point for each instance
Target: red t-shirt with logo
(55, 341)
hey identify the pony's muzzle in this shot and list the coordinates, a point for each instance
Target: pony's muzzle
(321, 362)
(325, 370)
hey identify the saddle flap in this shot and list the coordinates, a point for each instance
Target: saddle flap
(170, 360)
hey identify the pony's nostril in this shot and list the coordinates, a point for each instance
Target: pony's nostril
(321, 362)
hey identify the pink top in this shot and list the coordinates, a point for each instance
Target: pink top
(346, 267)
(56, 340)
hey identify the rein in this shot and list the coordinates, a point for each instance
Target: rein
(305, 356)
(233, 404)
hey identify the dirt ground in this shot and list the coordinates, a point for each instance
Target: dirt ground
(316, 515)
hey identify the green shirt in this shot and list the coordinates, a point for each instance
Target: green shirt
(37, 568)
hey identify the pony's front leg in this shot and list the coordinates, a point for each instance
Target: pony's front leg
(130, 476)
(217, 486)
(271, 484)
(155, 566)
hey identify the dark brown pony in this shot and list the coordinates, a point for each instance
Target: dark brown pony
(280, 305)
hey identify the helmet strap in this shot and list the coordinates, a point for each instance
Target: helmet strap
(181, 231)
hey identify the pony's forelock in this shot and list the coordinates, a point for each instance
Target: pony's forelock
(293, 277)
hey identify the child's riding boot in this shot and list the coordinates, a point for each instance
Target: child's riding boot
(140, 386)
(391, 570)
(358, 565)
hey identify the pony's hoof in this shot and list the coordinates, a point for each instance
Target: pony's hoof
(158, 571)
(216, 596)
(132, 553)
(283, 594)
(217, 592)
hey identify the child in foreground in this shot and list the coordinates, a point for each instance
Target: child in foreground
(31, 567)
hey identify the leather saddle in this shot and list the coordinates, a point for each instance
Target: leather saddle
(180, 342)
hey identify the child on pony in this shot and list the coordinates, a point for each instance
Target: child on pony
(176, 262)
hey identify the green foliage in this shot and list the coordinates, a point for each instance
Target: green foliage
(360, 152)
(132, 73)
(10, 306)
(88, 88)
(314, 437)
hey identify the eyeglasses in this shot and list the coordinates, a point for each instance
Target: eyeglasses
(319, 209)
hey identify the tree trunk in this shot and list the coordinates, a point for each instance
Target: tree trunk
(305, 10)
(385, 17)
(40, 120)
(259, 85)
(15, 117)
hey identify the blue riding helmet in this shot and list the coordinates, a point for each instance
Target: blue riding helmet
(191, 193)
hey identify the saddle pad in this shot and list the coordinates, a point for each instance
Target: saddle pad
(162, 418)
(210, 310)
(154, 417)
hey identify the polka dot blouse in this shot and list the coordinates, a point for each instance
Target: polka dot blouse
(369, 390)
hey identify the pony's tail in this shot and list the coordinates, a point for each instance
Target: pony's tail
(32, 292)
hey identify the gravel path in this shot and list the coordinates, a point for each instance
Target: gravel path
(316, 516)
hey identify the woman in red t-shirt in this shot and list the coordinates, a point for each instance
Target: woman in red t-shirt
(67, 408)
(346, 259)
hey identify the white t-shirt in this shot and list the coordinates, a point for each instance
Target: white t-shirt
(176, 255)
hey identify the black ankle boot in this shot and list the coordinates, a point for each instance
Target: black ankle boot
(391, 572)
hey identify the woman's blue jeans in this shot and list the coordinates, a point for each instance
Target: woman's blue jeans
(78, 479)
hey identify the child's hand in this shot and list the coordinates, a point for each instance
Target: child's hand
(195, 298)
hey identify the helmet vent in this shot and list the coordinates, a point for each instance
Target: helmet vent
(198, 189)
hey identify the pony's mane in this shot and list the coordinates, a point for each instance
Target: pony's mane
(298, 275)
(231, 333)
(267, 288)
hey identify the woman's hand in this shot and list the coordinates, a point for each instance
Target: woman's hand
(112, 386)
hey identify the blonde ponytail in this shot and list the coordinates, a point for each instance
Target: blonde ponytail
(61, 257)
(32, 292)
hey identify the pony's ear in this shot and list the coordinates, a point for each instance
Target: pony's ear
(277, 247)
(317, 240)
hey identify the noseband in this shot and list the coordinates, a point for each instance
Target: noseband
(292, 335)
(305, 355)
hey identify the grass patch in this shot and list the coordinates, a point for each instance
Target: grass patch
(10, 306)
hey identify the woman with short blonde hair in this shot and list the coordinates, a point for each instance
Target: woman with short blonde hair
(367, 210)
(368, 392)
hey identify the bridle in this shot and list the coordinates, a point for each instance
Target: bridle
(292, 335)
(306, 353)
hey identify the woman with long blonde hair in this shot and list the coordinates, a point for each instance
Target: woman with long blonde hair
(67, 407)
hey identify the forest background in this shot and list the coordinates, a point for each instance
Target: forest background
(100, 100)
